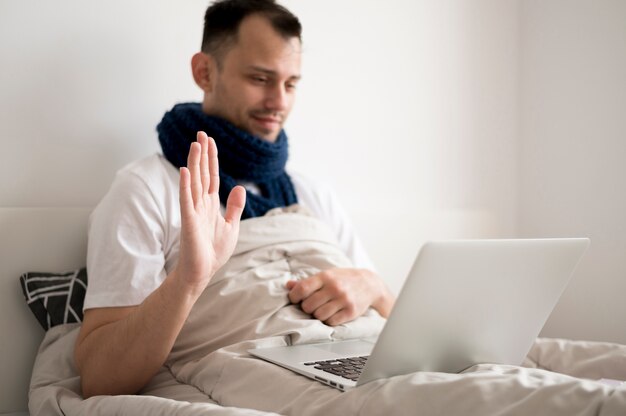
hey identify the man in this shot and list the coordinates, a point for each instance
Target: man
(160, 234)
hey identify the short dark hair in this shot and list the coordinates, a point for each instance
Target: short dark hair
(223, 17)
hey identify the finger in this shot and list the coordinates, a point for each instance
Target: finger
(214, 166)
(305, 288)
(204, 161)
(234, 205)
(315, 301)
(340, 317)
(193, 164)
(186, 201)
(327, 311)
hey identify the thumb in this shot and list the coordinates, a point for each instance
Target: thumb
(235, 204)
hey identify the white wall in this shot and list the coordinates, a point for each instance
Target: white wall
(83, 85)
(572, 152)
(407, 107)
(432, 119)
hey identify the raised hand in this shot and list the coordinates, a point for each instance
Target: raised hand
(207, 239)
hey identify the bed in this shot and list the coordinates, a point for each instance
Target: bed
(209, 370)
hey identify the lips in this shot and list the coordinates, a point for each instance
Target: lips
(267, 120)
(269, 123)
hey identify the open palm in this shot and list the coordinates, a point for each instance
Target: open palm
(207, 238)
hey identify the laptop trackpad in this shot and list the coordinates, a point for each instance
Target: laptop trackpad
(353, 348)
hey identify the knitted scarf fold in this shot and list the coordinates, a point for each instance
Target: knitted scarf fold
(242, 156)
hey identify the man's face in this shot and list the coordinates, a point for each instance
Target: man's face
(255, 87)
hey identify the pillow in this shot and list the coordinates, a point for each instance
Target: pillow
(55, 298)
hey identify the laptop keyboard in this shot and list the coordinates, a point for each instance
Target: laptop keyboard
(349, 368)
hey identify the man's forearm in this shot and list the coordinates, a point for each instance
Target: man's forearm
(120, 357)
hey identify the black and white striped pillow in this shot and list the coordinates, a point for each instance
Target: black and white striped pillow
(55, 298)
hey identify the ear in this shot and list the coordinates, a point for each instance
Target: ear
(201, 68)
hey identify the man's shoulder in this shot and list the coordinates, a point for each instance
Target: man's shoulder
(153, 170)
(307, 183)
(147, 186)
(148, 166)
(309, 186)
(150, 177)
(313, 193)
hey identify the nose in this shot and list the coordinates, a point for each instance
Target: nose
(277, 98)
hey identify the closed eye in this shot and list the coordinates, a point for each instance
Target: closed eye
(258, 79)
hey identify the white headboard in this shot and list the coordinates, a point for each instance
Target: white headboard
(31, 239)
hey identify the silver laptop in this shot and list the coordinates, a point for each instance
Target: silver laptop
(463, 303)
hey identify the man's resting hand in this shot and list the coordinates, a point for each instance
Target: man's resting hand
(336, 296)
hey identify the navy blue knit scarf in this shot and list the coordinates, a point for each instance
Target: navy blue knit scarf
(243, 157)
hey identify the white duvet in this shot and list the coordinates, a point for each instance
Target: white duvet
(246, 305)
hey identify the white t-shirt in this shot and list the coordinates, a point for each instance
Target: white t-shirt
(134, 231)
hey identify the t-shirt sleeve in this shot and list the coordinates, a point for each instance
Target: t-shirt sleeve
(125, 255)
